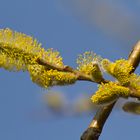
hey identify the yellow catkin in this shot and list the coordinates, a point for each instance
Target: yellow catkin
(120, 69)
(89, 63)
(135, 82)
(109, 92)
(49, 78)
(18, 50)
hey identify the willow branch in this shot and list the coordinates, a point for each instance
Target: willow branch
(95, 128)
(134, 56)
(80, 75)
(40, 61)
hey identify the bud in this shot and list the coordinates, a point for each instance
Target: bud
(89, 63)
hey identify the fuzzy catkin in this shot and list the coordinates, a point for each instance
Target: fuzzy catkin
(18, 50)
(109, 92)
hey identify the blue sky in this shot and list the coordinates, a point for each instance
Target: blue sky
(69, 28)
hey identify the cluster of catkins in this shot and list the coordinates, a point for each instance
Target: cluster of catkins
(21, 52)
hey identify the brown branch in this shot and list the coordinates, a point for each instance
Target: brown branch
(134, 56)
(97, 124)
(80, 75)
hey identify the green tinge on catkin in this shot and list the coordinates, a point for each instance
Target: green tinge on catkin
(96, 73)
(120, 69)
(89, 63)
(135, 82)
(109, 92)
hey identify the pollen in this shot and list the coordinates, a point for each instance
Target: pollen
(89, 63)
(120, 69)
(18, 50)
(109, 92)
(48, 78)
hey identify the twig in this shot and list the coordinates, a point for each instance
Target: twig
(80, 75)
(96, 126)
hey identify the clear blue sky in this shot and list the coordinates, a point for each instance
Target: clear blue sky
(58, 24)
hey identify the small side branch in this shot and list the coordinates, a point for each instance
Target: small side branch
(80, 75)
(103, 113)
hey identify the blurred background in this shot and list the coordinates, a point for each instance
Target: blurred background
(108, 28)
